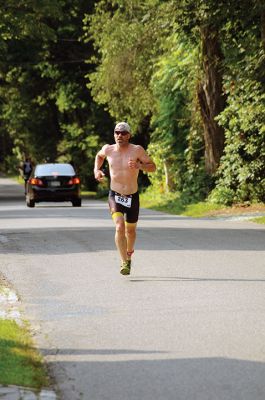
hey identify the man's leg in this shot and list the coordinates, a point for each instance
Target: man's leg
(121, 243)
(120, 237)
(130, 232)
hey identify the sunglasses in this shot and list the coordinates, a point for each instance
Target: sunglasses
(121, 133)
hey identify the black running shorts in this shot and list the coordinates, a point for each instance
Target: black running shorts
(124, 205)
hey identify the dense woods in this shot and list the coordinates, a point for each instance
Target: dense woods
(188, 76)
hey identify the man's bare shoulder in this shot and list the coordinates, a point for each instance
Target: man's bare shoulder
(136, 147)
(107, 149)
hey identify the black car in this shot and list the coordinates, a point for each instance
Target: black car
(53, 182)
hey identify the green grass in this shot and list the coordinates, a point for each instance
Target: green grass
(171, 203)
(168, 203)
(259, 220)
(20, 363)
(18, 178)
(88, 194)
(201, 209)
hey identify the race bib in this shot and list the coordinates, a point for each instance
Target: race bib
(124, 200)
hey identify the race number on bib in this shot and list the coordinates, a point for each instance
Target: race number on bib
(125, 201)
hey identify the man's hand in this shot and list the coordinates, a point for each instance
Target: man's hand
(134, 164)
(99, 175)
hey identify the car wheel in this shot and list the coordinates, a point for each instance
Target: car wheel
(77, 203)
(30, 203)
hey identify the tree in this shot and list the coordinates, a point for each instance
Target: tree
(127, 36)
(46, 108)
(210, 96)
(201, 21)
(241, 173)
(21, 22)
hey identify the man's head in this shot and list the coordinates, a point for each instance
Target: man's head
(122, 127)
(122, 133)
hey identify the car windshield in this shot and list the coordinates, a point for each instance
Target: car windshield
(54, 169)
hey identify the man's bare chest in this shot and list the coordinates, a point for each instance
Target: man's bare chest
(119, 162)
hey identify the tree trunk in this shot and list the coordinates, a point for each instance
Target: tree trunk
(169, 181)
(211, 99)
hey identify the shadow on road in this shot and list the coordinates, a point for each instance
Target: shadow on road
(188, 279)
(83, 240)
(10, 190)
(182, 379)
(102, 352)
(120, 374)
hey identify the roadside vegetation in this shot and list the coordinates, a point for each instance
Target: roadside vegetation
(20, 362)
(187, 76)
(173, 204)
(259, 220)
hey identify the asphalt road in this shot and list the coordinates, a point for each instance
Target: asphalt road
(188, 324)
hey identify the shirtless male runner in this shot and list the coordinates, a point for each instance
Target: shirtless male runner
(125, 160)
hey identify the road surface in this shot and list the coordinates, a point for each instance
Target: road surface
(188, 324)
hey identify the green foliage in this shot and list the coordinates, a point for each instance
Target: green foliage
(177, 143)
(23, 119)
(45, 107)
(259, 220)
(27, 19)
(171, 116)
(169, 202)
(241, 176)
(172, 203)
(17, 111)
(20, 363)
(79, 147)
(62, 62)
(127, 36)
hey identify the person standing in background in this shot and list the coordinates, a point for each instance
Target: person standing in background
(27, 169)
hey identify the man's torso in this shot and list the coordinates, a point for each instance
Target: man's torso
(123, 178)
(27, 167)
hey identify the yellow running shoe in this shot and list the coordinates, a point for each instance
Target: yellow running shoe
(126, 267)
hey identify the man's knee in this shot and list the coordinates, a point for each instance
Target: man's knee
(130, 229)
(120, 225)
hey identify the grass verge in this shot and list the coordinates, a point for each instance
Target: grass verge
(259, 220)
(20, 362)
(88, 194)
(171, 203)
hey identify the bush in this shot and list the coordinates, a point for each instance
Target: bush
(241, 175)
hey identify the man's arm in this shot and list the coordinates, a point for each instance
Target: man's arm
(144, 162)
(147, 165)
(99, 160)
